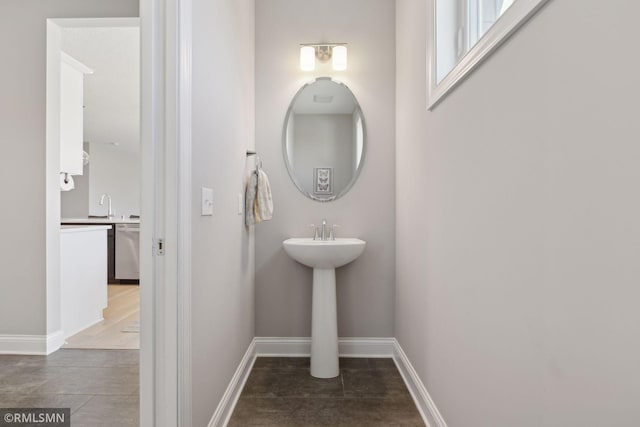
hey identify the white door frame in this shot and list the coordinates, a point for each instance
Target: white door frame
(165, 359)
(165, 141)
(184, 211)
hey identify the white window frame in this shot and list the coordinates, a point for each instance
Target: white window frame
(512, 19)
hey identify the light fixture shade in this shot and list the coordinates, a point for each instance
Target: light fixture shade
(339, 58)
(307, 58)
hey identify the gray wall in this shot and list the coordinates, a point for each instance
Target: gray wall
(116, 172)
(223, 250)
(112, 171)
(22, 133)
(366, 287)
(518, 231)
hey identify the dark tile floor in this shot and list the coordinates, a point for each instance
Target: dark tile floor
(100, 386)
(368, 392)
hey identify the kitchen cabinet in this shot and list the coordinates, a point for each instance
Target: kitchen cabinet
(111, 246)
(111, 242)
(71, 114)
(83, 285)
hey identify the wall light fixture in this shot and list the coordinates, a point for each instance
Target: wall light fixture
(336, 52)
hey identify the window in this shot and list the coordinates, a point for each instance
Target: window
(465, 32)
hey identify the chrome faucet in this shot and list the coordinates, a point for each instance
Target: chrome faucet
(324, 232)
(110, 212)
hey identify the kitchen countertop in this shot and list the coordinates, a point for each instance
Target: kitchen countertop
(82, 228)
(116, 220)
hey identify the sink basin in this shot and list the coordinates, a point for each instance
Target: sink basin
(324, 253)
(324, 256)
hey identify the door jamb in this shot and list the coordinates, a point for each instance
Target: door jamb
(166, 140)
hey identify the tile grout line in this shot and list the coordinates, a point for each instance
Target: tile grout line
(84, 404)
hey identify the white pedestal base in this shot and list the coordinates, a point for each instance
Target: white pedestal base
(324, 325)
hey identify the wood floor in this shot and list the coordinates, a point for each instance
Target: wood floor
(122, 313)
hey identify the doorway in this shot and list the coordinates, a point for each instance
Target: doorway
(93, 146)
(164, 337)
(100, 179)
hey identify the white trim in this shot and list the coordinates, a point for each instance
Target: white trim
(55, 341)
(184, 212)
(283, 347)
(160, 144)
(96, 22)
(73, 62)
(366, 347)
(150, 37)
(513, 18)
(166, 225)
(427, 408)
(347, 347)
(52, 170)
(158, 277)
(41, 345)
(231, 395)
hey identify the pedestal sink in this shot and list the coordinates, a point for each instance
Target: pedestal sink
(324, 256)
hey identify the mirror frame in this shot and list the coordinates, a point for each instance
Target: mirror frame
(284, 143)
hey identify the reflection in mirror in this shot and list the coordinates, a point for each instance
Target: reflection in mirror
(323, 139)
(460, 24)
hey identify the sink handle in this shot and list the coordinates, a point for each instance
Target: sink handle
(316, 235)
(332, 234)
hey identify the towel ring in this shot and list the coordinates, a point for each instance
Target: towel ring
(258, 159)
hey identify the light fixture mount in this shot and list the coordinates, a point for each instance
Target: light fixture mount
(323, 52)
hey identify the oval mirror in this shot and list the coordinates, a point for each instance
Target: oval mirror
(323, 139)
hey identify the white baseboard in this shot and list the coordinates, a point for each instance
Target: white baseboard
(55, 341)
(230, 398)
(427, 408)
(347, 347)
(31, 344)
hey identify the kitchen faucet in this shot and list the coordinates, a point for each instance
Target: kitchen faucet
(110, 212)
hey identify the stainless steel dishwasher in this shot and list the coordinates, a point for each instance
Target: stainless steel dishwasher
(128, 251)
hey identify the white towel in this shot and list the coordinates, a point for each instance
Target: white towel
(250, 199)
(264, 201)
(258, 200)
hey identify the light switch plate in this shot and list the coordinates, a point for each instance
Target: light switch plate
(207, 201)
(240, 204)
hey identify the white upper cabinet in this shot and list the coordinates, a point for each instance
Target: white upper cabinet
(71, 114)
